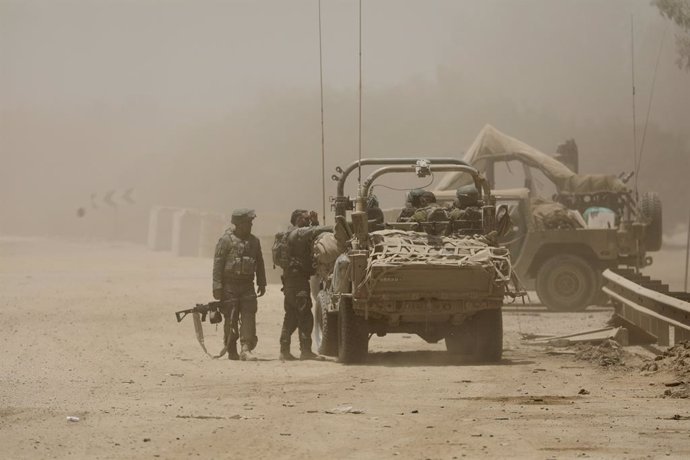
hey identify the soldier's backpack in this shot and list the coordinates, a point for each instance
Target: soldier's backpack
(279, 251)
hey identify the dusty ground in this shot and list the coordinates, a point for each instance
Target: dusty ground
(88, 331)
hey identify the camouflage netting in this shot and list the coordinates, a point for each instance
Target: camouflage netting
(391, 248)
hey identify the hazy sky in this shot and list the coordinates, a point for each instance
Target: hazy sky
(148, 72)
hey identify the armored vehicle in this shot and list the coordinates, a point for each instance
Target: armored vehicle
(567, 227)
(435, 277)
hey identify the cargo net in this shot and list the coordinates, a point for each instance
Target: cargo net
(391, 249)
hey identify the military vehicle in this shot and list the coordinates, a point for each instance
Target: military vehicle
(567, 227)
(438, 279)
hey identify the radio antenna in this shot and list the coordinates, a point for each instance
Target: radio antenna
(323, 141)
(632, 73)
(359, 172)
(649, 105)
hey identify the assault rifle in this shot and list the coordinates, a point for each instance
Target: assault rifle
(204, 309)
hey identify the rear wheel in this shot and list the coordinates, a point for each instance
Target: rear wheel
(353, 336)
(650, 208)
(325, 327)
(566, 283)
(478, 339)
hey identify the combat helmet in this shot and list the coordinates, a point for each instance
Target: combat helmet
(467, 195)
(242, 215)
(413, 197)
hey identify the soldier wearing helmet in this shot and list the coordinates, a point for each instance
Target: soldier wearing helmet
(412, 203)
(466, 213)
(297, 270)
(237, 260)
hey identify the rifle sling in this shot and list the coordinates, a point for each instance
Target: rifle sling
(199, 330)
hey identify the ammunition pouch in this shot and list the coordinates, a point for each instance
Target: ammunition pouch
(244, 265)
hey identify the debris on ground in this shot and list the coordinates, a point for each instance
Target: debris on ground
(676, 359)
(607, 354)
(678, 417)
(678, 392)
(619, 334)
(344, 409)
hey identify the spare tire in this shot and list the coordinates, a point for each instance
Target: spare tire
(650, 211)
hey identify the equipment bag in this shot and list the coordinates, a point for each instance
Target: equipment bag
(279, 251)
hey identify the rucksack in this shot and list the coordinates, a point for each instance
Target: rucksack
(279, 251)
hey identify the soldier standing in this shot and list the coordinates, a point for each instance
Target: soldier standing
(304, 228)
(237, 259)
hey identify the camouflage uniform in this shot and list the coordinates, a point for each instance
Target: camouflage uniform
(466, 213)
(411, 204)
(297, 290)
(237, 260)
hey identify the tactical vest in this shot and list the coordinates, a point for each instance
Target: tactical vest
(241, 258)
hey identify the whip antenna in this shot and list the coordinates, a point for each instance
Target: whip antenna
(632, 60)
(323, 143)
(359, 168)
(649, 106)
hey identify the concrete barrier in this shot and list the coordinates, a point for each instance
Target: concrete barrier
(160, 228)
(212, 227)
(186, 230)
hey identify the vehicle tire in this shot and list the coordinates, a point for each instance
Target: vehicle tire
(566, 282)
(353, 335)
(650, 208)
(325, 328)
(479, 339)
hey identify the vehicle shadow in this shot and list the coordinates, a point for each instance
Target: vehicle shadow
(430, 358)
(534, 308)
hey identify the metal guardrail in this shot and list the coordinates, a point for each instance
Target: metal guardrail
(663, 315)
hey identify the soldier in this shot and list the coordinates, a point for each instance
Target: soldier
(412, 203)
(466, 213)
(238, 257)
(374, 212)
(429, 209)
(304, 228)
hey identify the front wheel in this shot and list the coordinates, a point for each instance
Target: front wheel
(566, 282)
(650, 208)
(325, 326)
(353, 336)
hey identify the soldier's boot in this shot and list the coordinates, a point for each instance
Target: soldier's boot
(232, 351)
(307, 354)
(246, 354)
(310, 355)
(285, 354)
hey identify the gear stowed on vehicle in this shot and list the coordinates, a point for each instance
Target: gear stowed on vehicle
(428, 278)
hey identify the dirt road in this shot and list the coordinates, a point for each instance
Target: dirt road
(88, 331)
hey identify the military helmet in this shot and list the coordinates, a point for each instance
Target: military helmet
(428, 196)
(414, 195)
(242, 214)
(467, 195)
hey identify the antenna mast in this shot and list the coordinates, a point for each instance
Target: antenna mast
(359, 172)
(632, 63)
(323, 142)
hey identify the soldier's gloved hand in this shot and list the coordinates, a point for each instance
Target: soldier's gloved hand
(261, 290)
(218, 294)
(314, 217)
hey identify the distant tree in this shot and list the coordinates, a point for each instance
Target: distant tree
(678, 11)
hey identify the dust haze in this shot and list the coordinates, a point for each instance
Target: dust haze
(216, 105)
